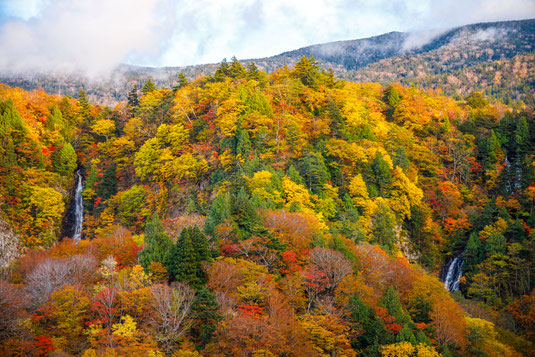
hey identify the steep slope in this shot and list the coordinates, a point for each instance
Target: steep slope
(507, 79)
(253, 214)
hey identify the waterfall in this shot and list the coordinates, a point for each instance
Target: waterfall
(78, 208)
(453, 275)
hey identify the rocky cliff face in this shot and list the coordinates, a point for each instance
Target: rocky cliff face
(9, 244)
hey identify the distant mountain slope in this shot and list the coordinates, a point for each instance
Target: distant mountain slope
(506, 79)
(482, 43)
(422, 57)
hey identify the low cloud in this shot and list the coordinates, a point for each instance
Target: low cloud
(490, 34)
(418, 39)
(94, 36)
(90, 37)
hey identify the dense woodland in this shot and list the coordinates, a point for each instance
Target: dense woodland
(507, 80)
(247, 214)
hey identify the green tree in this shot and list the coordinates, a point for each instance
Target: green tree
(182, 82)
(254, 74)
(236, 69)
(220, 211)
(496, 244)
(473, 253)
(207, 315)
(133, 101)
(64, 159)
(184, 264)
(313, 171)
(222, 72)
(133, 206)
(85, 108)
(200, 245)
(244, 214)
(243, 143)
(371, 330)
(55, 120)
(522, 135)
(156, 244)
(294, 175)
(13, 133)
(148, 86)
(308, 71)
(393, 98)
(384, 227)
(382, 174)
(406, 335)
(390, 300)
(476, 100)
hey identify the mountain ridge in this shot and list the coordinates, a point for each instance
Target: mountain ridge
(354, 60)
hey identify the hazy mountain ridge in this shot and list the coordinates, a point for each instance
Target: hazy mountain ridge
(417, 57)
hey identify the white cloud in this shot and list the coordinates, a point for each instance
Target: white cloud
(81, 35)
(96, 35)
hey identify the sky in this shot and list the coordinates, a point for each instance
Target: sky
(94, 36)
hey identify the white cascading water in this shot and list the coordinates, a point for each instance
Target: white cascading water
(453, 276)
(78, 208)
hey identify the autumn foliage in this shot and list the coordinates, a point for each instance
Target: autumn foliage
(255, 214)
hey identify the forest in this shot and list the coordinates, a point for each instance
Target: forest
(256, 214)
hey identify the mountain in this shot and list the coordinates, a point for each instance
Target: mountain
(429, 59)
(478, 43)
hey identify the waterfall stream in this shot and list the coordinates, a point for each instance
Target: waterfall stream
(78, 208)
(453, 275)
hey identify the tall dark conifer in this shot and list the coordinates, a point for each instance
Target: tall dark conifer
(157, 243)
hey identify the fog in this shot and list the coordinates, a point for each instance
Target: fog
(93, 37)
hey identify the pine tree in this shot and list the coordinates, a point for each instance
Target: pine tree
(64, 159)
(236, 69)
(244, 213)
(85, 108)
(393, 99)
(522, 135)
(148, 87)
(473, 253)
(383, 227)
(185, 260)
(313, 170)
(476, 100)
(55, 120)
(390, 300)
(133, 101)
(220, 211)
(406, 335)
(207, 315)
(383, 175)
(222, 72)
(157, 243)
(243, 142)
(252, 71)
(294, 175)
(496, 244)
(182, 82)
(200, 245)
(308, 71)
(371, 329)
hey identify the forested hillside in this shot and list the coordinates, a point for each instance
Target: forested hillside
(509, 80)
(255, 214)
(458, 61)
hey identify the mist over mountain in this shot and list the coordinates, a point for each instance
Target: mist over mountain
(424, 58)
(504, 39)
